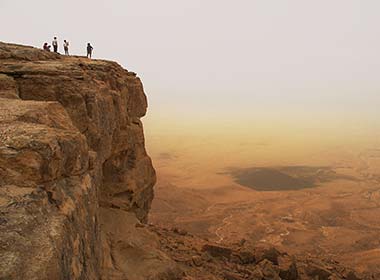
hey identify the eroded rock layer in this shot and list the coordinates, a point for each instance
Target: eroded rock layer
(76, 185)
(71, 144)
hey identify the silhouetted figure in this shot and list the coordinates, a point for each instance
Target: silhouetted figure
(66, 47)
(46, 47)
(55, 44)
(89, 50)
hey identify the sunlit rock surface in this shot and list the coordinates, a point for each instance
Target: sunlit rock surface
(71, 142)
(76, 185)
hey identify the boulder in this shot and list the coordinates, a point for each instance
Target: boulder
(246, 257)
(318, 272)
(268, 253)
(217, 251)
(288, 268)
(269, 270)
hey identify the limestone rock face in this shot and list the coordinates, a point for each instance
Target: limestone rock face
(76, 185)
(71, 147)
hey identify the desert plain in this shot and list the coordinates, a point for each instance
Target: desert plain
(313, 192)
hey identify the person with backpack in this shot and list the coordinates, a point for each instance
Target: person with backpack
(55, 44)
(66, 47)
(46, 47)
(89, 50)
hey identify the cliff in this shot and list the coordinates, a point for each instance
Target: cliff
(75, 178)
(76, 184)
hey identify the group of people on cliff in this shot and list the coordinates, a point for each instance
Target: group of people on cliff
(66, 45)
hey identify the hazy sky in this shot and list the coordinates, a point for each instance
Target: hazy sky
(220, 60)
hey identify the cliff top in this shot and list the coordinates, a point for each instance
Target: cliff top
(76, 184)
(71, 144)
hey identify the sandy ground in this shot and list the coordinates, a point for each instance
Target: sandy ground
(334, 214)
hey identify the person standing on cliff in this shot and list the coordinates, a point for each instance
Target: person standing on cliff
(55, 44)
(66, 47)
(89, 50)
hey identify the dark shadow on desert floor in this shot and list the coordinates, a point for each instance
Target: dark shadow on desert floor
(284, 178)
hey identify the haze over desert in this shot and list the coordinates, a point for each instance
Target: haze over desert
(190, 140)
(307, 193)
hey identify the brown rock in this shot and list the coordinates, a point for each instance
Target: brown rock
(76, 183)
(8, 88)
(45, 190)
(232, 276)
(132, 251)
(352, 276)
(188, 278)
(318, 272)
(268, 253)
(246, 257)
(269, 270)
(180, 231)
(234, 258)
(288, 268)
(256, 274)
(206, 257)
(197, 260)
(71, 140)
(217, 251)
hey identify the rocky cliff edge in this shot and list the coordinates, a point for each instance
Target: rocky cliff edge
(76, 185)
(72, 161)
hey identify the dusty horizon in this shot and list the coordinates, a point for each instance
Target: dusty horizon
(263, 120)
(218, 61)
